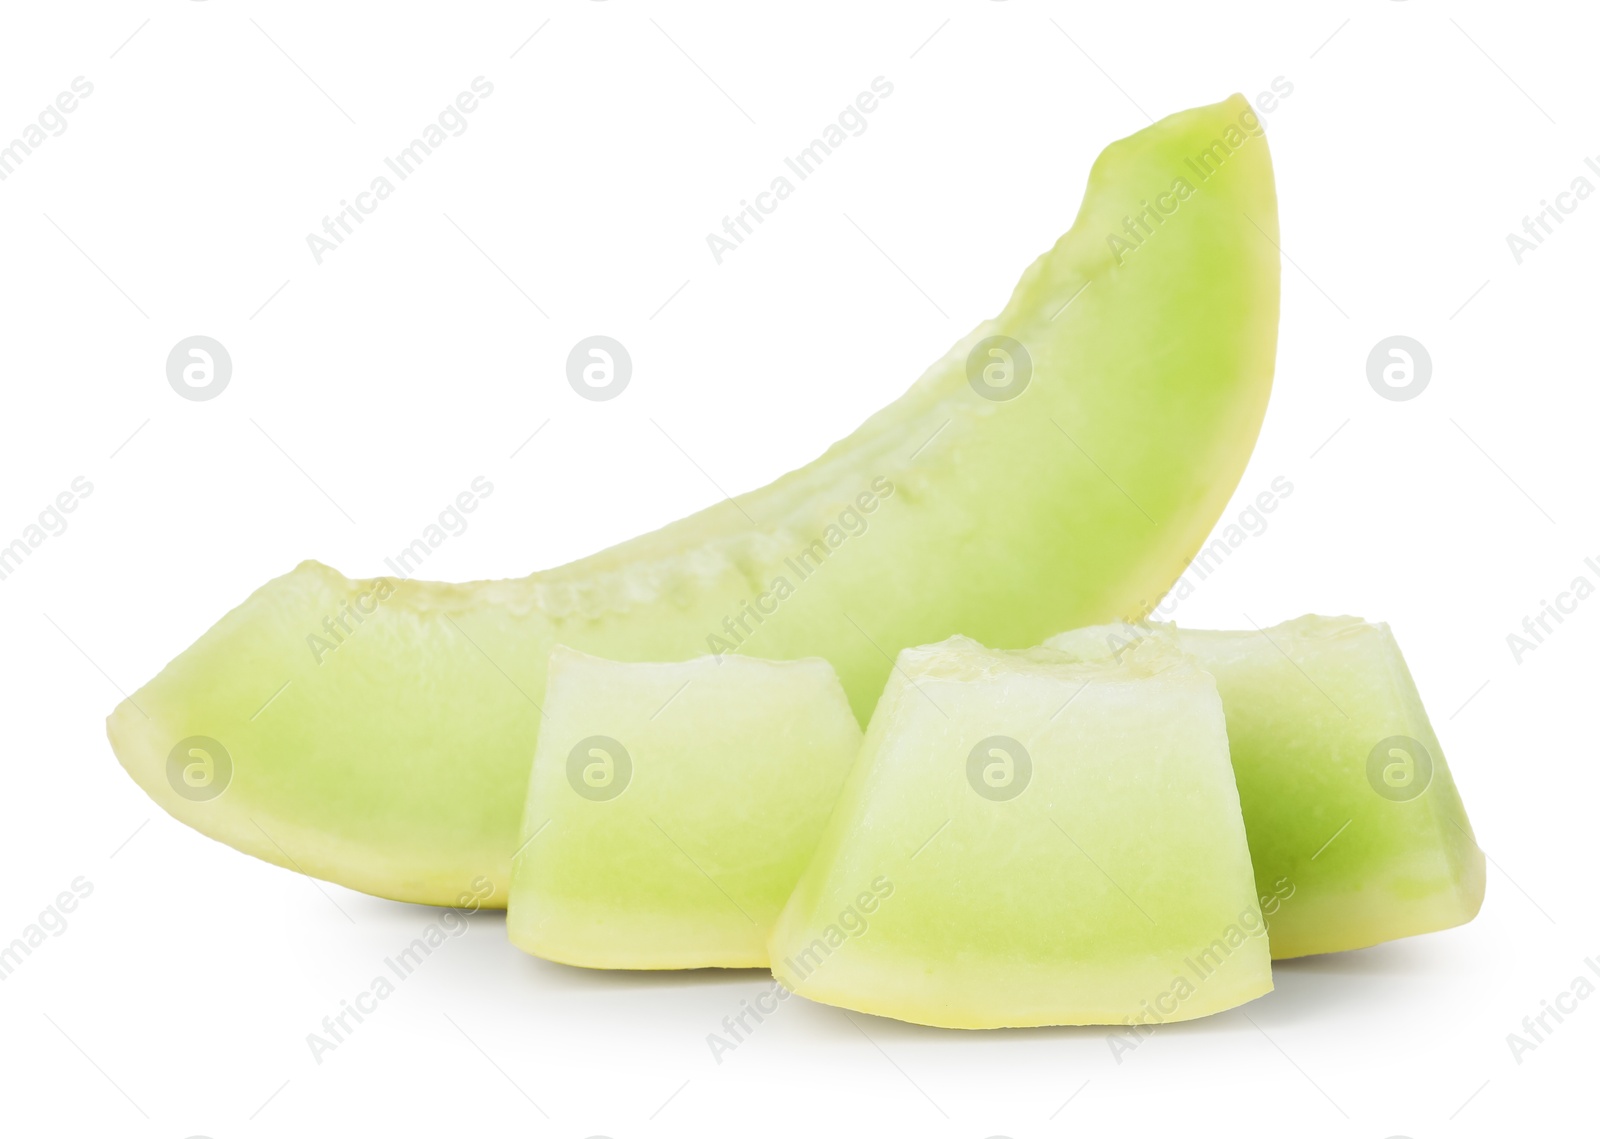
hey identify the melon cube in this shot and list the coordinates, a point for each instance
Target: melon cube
(1028, 840)
(671, 807)
(1357, 832)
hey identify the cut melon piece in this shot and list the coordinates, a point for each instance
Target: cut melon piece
(1062, 463)
(1356, 830)
(1028, 840)
(672, 807)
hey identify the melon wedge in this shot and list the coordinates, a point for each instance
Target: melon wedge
(1028, 840)
(1053, 477)
(672, 807)
(1357, 832)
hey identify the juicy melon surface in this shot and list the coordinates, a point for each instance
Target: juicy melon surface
(1356, 828)
(672, 808)
(398, 764)
(1097, 874)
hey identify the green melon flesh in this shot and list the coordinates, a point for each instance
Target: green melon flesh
(398, 764)
(1102, 879)
(695, 800)
(1355, 837)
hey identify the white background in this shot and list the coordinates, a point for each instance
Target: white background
(369, 390)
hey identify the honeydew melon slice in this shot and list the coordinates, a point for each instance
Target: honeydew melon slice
(1357, 832)
(672, 807)
(1114, 419)
(1028, 840)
